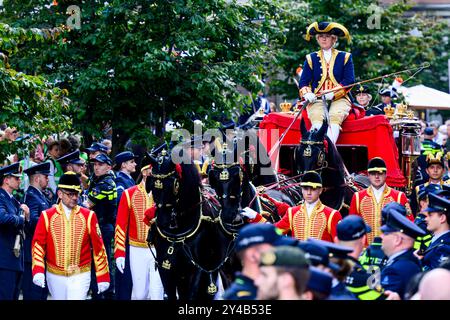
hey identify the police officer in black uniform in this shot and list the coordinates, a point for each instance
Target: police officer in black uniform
(37, 202)
(438, 222)
(398, 238)
(351, 231)
(13, 218)
(102, 199)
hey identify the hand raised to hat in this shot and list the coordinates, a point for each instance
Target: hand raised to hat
(26, 211)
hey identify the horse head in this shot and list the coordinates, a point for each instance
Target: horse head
(311, 154)
(164, 183)
(226, 177)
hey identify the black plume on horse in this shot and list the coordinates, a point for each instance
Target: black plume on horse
(317, 153)
(190, 242)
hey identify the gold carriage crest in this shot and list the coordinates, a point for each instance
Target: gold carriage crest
(158, 184)
(224, 175)
(212, 288)
(166, 264)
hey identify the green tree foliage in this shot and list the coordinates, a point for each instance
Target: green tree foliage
(137, 63)
(376, 49)
(30, 103)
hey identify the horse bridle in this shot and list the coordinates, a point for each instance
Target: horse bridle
(321, 162)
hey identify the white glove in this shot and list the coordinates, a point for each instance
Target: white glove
(249, 213)
(39, 280)
(311, 97)
(120, 263)
(102, 287)
(329, 96)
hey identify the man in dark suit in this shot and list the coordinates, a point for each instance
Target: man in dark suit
(437, 219)
(12, 222)
(37, 202)
(398, 245)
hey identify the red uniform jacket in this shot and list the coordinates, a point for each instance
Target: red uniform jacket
(130, 215)
(65, 244)
(320, 225)
(365, 205)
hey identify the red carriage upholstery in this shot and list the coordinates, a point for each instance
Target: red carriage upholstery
(375, 132)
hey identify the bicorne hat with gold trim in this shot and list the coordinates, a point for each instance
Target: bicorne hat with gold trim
(70, 181)
(334, 28)
(376, 165)
(438, 158)
(360, 89)
(311, 179)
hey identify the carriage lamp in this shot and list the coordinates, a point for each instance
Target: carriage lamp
(410, 144)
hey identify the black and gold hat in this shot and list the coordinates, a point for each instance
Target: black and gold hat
(311, 179)
(361, 89)
(70, 181)
(327, 27)
(286, 256)
(376, 165)
(438, 158)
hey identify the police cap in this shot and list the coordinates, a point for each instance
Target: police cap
(352, 227)
(424, 191)
(285, 256)
(319, 281)
(334, 250)
(123, 157)
(97, 146)
(397, 222)
(259, 233)
(317, 254)
(438, 203)
(102, 158)
(14, 170)
(73, 158)
(41, 168)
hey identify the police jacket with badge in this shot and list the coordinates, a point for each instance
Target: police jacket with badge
(11, 223)
(103, 194)
(37, 202)
(373, 257)
(243, 288)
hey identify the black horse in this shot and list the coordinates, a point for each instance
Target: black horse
(317, 153)
(191, 238)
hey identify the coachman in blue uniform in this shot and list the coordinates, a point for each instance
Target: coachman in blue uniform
(398, 237)
(324, 70)
(37, 202)
(13, 217)
(437, 219)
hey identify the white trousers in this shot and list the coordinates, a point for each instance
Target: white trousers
(75, 287)
(146, 280)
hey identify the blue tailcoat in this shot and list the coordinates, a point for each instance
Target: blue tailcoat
(37, 203)
(314, 70)
(10, 225)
